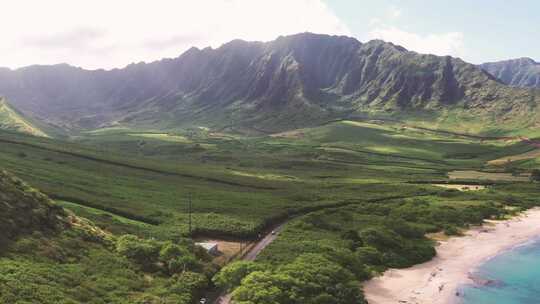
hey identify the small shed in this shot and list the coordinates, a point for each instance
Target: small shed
(211, 248)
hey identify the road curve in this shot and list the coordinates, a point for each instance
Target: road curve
(251, 255)
(225, 298)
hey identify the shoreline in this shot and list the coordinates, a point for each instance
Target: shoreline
(438, 280)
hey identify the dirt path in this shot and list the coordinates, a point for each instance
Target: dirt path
(251, 255)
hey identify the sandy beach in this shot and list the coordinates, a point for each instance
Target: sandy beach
(437, 281)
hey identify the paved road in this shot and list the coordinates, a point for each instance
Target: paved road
(269, 238)
(251, 255)
(256, 250)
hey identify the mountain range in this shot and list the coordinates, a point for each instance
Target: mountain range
(522, 72)
(294, 81)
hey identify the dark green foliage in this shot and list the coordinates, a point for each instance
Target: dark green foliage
(354, 238)
(155, 255)
(369, 255)
(451, 230)
(142, 252)
(535, 175)
(24, 210)
(231, 275)
(48, 261)
(309, 279)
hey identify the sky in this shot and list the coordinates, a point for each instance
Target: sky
(114, 33)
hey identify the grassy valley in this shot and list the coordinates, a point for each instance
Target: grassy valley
(359, 194)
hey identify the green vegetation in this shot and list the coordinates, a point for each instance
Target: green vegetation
(11, 119)
(50, 256)
(360, 193)
(310, 278)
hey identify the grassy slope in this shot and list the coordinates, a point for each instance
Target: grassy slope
(50, 256)
(10, 119)
(237, 183)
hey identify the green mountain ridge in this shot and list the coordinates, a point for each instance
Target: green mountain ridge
(294, 81)
(521, 72)
(13, 120)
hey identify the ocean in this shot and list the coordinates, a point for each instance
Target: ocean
(513, 277)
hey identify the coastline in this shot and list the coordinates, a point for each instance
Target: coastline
(437, 281)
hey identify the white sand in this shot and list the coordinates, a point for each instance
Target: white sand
(436, 281)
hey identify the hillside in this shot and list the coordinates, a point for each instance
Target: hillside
(294, 81)
(522, 72)
(49, 256)
(25, 210)
(13, 120)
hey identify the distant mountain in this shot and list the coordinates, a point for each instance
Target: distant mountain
(294, 81)
(522, 72)
(11, 119)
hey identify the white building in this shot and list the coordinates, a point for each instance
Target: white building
(211, 248)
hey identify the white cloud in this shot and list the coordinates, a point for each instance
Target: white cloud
(113, 33)
(451, 43)
(395, 12)
(375, 22)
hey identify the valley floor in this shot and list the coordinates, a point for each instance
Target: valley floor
(439, 281)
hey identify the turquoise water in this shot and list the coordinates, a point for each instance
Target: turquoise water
(515, 275)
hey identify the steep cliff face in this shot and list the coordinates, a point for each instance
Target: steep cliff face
(522, 72)
(293, 81)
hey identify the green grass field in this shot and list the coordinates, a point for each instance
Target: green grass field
(237, 183)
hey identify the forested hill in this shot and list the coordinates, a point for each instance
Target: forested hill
(293, 81)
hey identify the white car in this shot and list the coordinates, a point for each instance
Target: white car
(202, 301)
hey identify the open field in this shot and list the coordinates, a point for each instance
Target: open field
(533, 154)
(493, 176)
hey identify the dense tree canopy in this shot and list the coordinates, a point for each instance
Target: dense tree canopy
(309, 279)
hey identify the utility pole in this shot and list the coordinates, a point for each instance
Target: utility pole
(189, 211)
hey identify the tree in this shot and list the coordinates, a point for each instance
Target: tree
(310, 278)
(369, 255)
(188, 285)
(143, 252)
(382, 239)
(231, 275)
(354, 238)
(176, 259)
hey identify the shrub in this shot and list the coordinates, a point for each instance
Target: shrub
(143, 252)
